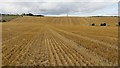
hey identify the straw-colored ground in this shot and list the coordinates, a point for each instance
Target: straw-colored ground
(52, 41)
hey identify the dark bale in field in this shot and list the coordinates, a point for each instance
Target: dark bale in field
(119, 24)
(93, 24)
(103, 24)
(3, 21)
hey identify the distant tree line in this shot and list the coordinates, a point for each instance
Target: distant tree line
(39, 15)
(24, 14)
(30, 14)
(10, 15)
(104, 16)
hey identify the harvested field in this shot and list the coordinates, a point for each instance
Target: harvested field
(60, 41)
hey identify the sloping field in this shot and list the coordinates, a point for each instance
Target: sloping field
(59, 41)
(9, 17)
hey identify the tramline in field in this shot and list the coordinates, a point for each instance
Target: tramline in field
(60, 41)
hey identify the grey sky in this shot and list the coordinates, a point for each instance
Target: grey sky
(59, 7)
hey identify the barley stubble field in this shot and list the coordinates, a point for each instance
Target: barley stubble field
(60, 41)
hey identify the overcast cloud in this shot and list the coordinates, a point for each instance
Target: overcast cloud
(60, 7)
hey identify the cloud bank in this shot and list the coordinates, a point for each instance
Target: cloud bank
(61, 7)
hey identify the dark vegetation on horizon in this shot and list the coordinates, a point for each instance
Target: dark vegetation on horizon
(104, 16)
(9, 17)
(30, 14)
